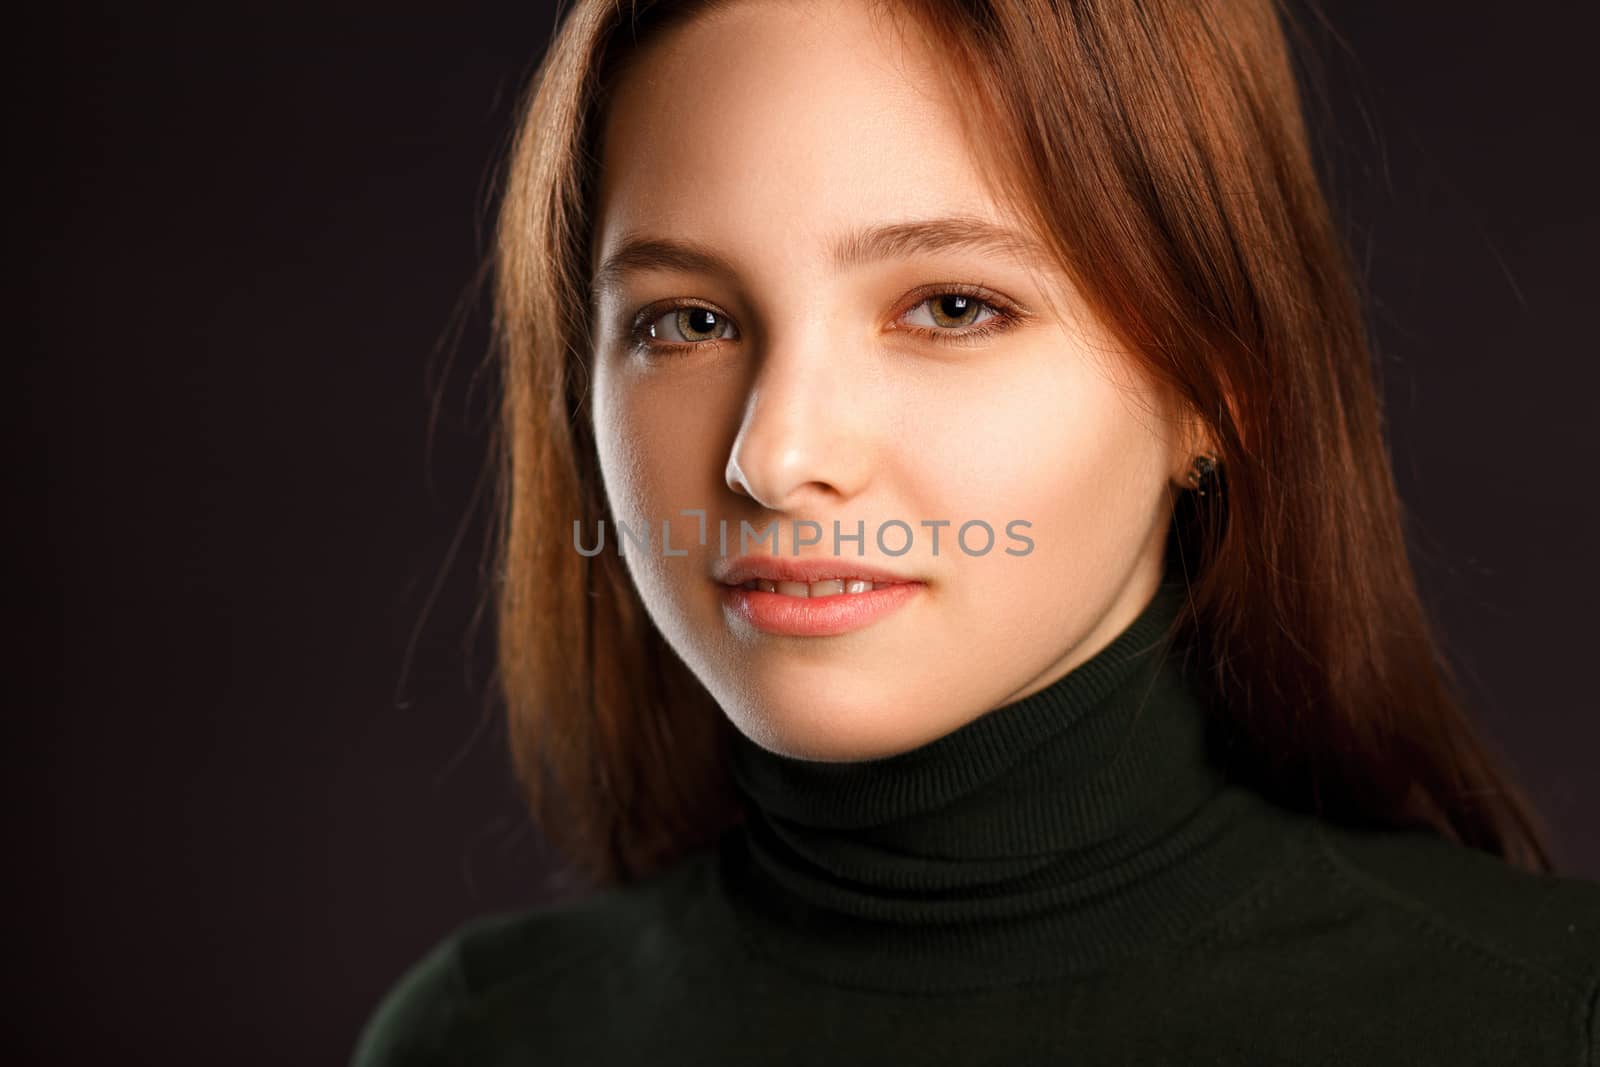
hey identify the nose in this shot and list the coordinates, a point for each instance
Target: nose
(805, 439)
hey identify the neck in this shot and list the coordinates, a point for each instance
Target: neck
(1052, 834)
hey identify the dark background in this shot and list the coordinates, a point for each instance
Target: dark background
(255, 768)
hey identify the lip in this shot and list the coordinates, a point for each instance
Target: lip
(741, 569)
(825, 616)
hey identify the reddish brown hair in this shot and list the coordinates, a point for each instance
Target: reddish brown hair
(1159, 148)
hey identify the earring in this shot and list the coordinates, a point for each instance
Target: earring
(1203, 470)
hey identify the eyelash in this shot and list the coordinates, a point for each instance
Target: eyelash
(1005, 315)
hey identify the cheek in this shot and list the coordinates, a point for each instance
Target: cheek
(656, 450)
(619, 447)
(651, 468)
(1059, 445)
(1030, 438)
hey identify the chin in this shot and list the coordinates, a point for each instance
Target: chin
(835, 730)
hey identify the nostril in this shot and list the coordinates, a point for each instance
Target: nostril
(735, 479)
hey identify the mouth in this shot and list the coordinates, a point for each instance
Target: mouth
(809, 577)
(809, 590)
(828, 607)
(817, 597)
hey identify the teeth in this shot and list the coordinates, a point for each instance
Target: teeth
(828, 587)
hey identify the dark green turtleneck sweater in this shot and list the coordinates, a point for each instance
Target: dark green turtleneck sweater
(1066, 879)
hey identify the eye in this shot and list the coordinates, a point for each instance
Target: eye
(686, 324)
(959, 314)
(948, 314)
(952, 311)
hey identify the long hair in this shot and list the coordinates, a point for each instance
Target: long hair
(1159, 148)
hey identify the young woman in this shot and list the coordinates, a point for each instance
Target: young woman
(953, 598)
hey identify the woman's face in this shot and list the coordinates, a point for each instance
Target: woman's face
(823, 362)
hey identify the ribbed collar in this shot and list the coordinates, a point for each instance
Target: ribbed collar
(1047, 837)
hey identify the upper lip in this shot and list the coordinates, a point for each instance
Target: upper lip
(740, 569)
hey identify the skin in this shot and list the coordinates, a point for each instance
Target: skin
(764, 132)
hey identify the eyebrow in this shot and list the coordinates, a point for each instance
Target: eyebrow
(639, 252)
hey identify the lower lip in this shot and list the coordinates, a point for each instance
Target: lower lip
(821, 616)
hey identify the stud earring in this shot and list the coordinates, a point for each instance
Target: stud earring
(1202, 471)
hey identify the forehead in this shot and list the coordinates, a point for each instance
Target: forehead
(783, 125)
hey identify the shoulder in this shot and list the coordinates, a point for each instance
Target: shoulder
(411, 1021)
(1541, 923)
(1478, 925)
(490, 975)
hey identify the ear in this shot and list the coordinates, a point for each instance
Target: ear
(1191, 439)
(1194, 437)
